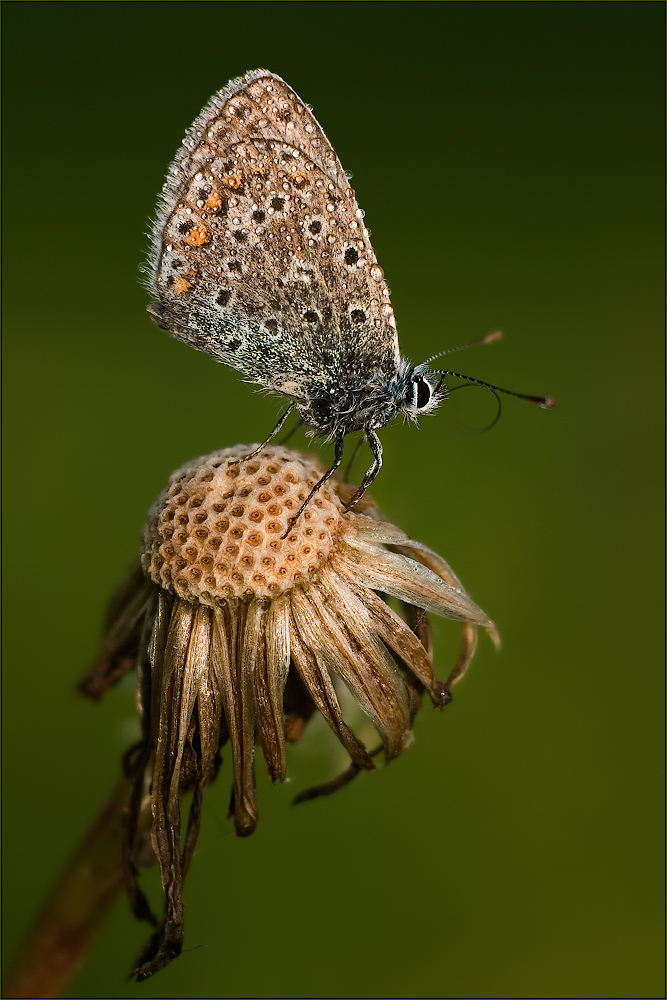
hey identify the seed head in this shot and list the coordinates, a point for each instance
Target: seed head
(239, 635)
(217, 531)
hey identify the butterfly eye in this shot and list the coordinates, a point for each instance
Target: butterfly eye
(421, 392)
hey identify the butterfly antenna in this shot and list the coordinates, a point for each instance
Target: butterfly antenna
(546, 402)
(482, 430)
(489, 339)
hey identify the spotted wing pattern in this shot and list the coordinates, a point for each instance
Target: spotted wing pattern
(259, 252)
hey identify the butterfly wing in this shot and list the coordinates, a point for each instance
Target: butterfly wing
(259, 252)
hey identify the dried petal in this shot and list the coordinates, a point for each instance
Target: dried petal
(119, 649)
(398, 576)
(270, 679)
(315, 676)
(351, 650)
(401, 639)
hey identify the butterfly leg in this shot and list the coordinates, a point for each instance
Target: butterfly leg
(291, 432)
(371, 473)
(338, 458)
(256, 451)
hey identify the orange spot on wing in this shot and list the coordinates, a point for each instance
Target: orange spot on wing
(214, 201)
(234, 180)
(198, 236)
(181, 284)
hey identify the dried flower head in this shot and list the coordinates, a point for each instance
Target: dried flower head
(239, 635)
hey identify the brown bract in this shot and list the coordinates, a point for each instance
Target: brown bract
(239, 635)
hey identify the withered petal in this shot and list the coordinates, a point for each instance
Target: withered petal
(379, 532)
(118, 653)
(134, 580)
(351, 649)
(468, 646)
(195, 672)
(238, 704)
(418, 621)
(270, 677)
(398, 576)
(209, 718)
(433, 561)
(314, 673)
(166, 827)
(391, 628)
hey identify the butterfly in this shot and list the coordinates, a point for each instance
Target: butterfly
(260, 258)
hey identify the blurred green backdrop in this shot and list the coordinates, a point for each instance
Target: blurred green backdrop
(509, 159)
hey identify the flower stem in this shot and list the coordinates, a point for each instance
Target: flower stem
(64, 931)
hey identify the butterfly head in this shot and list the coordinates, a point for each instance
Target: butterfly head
(424, 392)
(345, 404)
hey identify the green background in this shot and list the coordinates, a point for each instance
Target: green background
(509, 159)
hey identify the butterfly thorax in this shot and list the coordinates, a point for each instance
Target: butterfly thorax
(347, 403)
